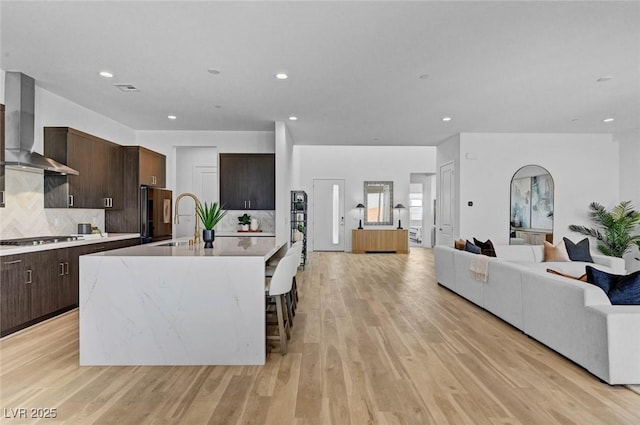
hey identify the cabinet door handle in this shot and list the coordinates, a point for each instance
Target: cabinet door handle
(70, 200)
(106, 202)
(249, 204)
(29, 276)
(6, 263)
(2, 197)
(66, 267)
(61, 269)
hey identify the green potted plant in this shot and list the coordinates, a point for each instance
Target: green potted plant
(615, 228)
(210, 215)
(244, 221)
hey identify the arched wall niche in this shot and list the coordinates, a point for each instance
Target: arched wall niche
(532, 205)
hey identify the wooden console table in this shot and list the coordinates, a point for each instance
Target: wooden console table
(380, 240)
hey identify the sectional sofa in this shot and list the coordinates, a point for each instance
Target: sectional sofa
(571, 317)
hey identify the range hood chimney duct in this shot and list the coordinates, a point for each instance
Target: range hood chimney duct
(19, 96)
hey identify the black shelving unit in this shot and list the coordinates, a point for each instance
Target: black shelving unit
(299, 221)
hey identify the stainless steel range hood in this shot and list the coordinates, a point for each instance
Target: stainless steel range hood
(19, 96)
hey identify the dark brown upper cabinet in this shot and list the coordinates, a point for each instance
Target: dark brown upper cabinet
(99, 164)
(248, 181)
(152, 171)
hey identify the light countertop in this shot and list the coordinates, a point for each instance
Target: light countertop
(244, 246)
(111, 237)
(260, 234)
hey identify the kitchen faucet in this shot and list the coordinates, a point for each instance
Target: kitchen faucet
(176, 218)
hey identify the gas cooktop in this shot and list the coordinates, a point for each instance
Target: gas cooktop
(37, 240)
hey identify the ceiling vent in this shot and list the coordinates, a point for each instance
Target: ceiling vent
(129, 88)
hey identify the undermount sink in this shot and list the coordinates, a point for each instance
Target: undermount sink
(173, 243)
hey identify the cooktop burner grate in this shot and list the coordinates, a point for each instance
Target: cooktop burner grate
(38, 240)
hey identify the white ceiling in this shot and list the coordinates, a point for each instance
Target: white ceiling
(354, 66)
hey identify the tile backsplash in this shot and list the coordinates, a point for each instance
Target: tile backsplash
(267, 220)
(25, 216)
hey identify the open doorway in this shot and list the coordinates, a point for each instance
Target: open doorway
(422, 193)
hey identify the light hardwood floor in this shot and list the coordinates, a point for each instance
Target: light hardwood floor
(375, 341)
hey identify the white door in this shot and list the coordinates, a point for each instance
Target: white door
(205, 178)
(447, 206)
(196, 172)
(328, 215)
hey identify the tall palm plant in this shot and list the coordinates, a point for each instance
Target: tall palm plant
(616, 237)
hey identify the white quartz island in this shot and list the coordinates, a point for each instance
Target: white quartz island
(175, 305)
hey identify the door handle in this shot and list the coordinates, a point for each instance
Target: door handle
(29, 276)
(61, 269)
(66, 268)
(249, 204)
(70, 200)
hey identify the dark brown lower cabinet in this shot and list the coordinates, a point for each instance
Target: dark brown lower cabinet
(15, 292)
(40, 285)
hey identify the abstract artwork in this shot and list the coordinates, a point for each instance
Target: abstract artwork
(521, 202)
(542, 202)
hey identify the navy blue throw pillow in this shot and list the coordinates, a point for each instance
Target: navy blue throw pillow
(621, 289)
(469, 247)
(578, 251)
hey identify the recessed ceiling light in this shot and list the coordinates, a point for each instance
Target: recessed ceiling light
(446, 119)
(604, 79)
(292, 118)
(424, 76)
(281, 76)
(608, 120)
(106, 74)
(213, 71)
(171, 117)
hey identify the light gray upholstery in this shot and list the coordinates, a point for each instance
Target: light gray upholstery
(573, 318)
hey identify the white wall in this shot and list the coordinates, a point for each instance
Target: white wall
(630, 181)
(629, 166)
(284, 180)
(356, 164)
(582, 166)
(52, 110)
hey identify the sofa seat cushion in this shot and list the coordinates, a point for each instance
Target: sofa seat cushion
(573, 268)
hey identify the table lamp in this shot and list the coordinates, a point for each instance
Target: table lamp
(361, 208)
(399, 207)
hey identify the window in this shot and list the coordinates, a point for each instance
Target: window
(415, 203)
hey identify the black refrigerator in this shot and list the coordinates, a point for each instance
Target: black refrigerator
(156, 206)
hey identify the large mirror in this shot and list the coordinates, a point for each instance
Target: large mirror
(531, 217)
(378, 198)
